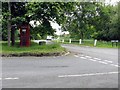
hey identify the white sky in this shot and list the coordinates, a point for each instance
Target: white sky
(112, 1)
(57, 28)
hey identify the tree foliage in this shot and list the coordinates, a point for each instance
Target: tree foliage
(44, 12)
(81, 19)
(17, 15)
(93, 20)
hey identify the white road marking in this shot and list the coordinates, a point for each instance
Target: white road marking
(118, 65)
(83, 58)
(8, 78)
(103, 62)
(92, 60)
(108, 61)
(112, 72)
(97, 58)
(0, 78)
(11, 78)
(76, 55)
(16, 78)
(90, 74)
(114, 65)
(88, 56)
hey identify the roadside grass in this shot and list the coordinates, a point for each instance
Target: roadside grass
(33, 49)
(100, 44)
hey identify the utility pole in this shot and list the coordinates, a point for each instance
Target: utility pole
(9, 23)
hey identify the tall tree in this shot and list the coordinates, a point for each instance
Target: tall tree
(15, 11)
(44, 12)
(9, 23)
(93, 19)
(80, 19)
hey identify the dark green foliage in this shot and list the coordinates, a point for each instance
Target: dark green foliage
(81, 19)
(44, 12)
(93, 20)
(17, 15)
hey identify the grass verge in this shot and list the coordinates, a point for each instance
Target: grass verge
(100, 44)
(34, 50)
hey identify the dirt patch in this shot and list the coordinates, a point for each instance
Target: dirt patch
(34, 54)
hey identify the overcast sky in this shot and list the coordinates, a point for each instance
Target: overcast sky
(112, 1)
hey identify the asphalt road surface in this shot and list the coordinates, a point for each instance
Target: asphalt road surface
(84, 67)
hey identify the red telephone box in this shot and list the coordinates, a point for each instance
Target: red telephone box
(25, 35)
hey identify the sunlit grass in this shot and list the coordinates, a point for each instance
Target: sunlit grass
(100, 44)
(34, 48)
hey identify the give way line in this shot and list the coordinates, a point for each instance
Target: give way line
(97, 60)
(90, 74)
(9, 78)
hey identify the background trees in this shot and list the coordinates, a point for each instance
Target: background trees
(80, 22)
(93, 20)
(17, 15)
(44, 12)
(81, 19)
(107, 26)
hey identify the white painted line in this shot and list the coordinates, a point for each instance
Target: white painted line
(103, 62)
(92, 60)
(15, 78)
(91, 74)
(83, 58)
(8, 78)
(76, 55)
(88, 56)
(97, 58)
(108, 61)
(114, 65)
(112, 72)
(11, 78)
(0, 78)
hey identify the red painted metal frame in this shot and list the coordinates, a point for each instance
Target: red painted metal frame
(25, 37)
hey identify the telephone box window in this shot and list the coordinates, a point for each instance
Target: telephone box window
(23, 30)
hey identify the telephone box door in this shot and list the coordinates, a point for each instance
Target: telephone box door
(25, 35)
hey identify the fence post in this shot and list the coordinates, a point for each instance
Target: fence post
(80, 41)
(69, 40)
(63, 41)
(95, 42)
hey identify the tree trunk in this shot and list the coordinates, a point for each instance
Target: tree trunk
(9, 23)
(82, 37)
(13, 35)
(118, 21)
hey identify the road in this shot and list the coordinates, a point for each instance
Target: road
(84, 67)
